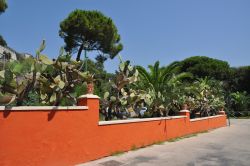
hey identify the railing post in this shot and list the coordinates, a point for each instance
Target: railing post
(185, 113)
(92, 102)
(222, 113)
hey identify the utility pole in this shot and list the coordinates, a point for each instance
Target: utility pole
(86, 59)
(86, 46)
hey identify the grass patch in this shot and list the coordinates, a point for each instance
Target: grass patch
(243, 117)
(117, 153)
(191, 135)
(206, 131)
(174, 139)
(145, 146)
(134, 147)
(159, 142)
(186, 136)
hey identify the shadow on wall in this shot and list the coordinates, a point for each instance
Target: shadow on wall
(6, 114)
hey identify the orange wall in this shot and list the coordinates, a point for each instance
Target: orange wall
(69, 137)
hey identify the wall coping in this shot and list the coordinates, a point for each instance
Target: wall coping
(40, 108)
(89, 96)
(136, 120)
(184, 111)
(209, 117)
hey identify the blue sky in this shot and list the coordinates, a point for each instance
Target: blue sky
(164, 30)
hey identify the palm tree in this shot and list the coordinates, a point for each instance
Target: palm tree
(158, 81)
(156, 77)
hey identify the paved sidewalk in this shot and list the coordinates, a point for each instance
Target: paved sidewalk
(227, 146)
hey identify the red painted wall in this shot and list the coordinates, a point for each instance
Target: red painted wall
(69, 137)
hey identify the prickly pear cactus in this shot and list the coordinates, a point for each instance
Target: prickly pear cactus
(16, 80)
(52, 80)
(122, 96)
(60, 79)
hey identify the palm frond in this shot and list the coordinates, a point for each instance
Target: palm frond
(143, 74)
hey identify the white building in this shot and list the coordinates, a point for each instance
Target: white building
(7, 54)
(7, 50)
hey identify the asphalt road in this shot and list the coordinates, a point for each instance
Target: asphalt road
(227, 146)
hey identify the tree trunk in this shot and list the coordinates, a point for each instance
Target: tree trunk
(79, 53)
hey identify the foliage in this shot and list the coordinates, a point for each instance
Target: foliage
(240, 79)
(2, 41)
(60, 80)
(208, 96)
(153, 81)
(120, 100)
(176, 92)
(102, 78)
(17, 80)
(240, 102)
(160, 83)
(32, 99)
(3, 6)
(156, 77)
(204, 96)
(54, 81)
(161, 90)
(90, 30)
(201, 67)
(234, 79)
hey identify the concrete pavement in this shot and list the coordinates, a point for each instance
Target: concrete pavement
(227, 146)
